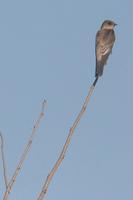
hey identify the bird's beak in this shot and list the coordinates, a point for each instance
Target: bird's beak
(115, 24)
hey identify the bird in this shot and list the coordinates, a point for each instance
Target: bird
(105, 39)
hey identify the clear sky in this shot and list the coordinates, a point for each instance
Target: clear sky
(47, 50)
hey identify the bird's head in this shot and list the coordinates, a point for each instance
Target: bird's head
(108, 24)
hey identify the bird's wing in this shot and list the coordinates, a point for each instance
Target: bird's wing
(104, 43)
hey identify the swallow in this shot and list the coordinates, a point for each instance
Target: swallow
(105, 39)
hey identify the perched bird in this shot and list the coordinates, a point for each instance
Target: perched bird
(105, 39)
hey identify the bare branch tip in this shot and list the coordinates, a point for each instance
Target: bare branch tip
(44, 105)
(1, 139)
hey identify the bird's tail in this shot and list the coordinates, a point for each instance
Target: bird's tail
(99, 69)
(95, 81)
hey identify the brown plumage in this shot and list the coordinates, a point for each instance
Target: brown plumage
(105, 39)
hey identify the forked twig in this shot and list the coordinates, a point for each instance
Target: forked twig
(3, 160)
(68, 140)
(25, 152)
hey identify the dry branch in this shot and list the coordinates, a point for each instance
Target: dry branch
(68, 140)
(3, 160)
(25, 152)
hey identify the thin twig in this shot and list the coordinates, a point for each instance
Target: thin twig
(25, 152)
(68, 140)
(3, 160)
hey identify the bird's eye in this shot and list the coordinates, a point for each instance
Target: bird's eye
(109, 23)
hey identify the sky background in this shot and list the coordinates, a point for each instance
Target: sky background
(47, 50)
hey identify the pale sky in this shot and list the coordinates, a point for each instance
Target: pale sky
(47, 50)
